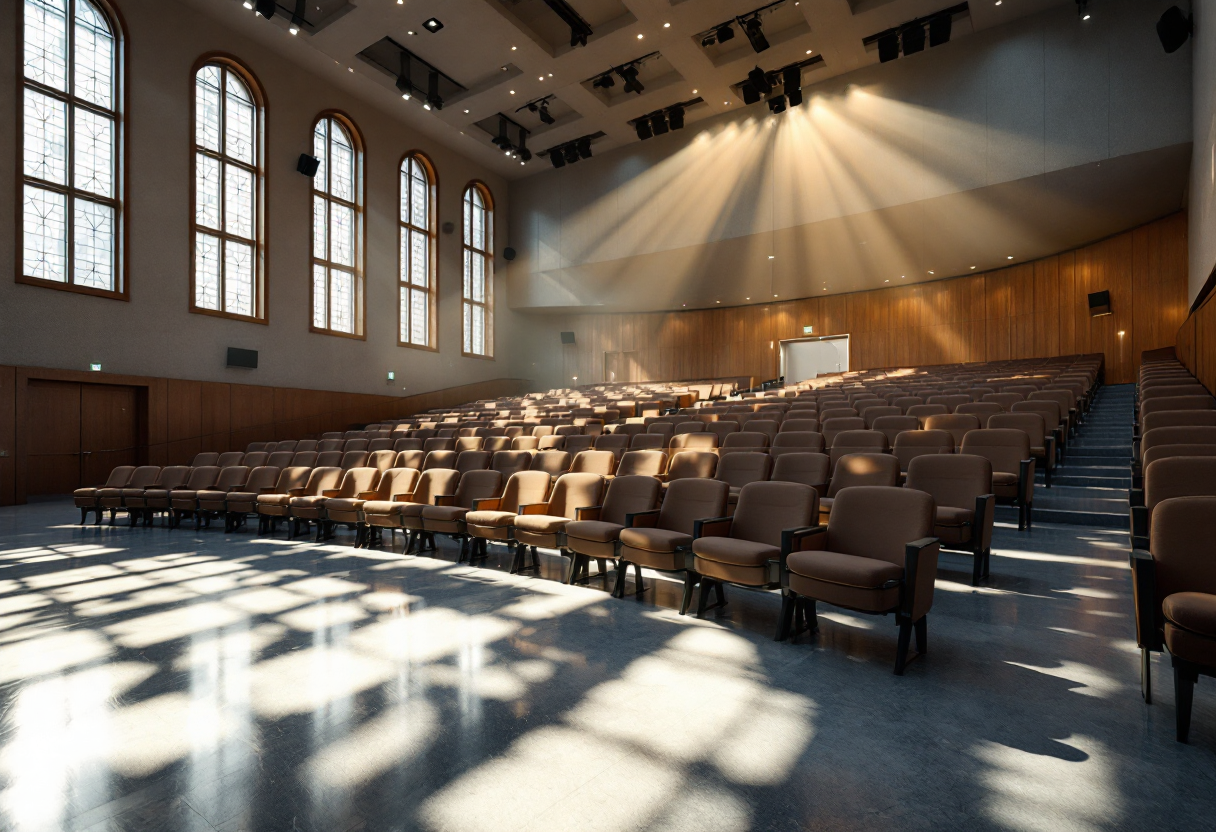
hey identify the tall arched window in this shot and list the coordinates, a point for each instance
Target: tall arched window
(228, 269)
(478, 271)
(71, 201)
(416, 243)
(337, 228)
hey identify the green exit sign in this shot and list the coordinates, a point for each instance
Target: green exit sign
(808, 330)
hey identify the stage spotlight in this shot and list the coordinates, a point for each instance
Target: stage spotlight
(642, 125)
(629, 74)
(658, 123)
(939, 29)
(571, 153)
(1174, 28)
(544, 115)
(584, 147)
(604, 82)
(675, 118)
(724, 33)
(776, 104)
(792, 84)
(433, 25)
(755, 34)
(403, 80)
(888, 47)
(759, 80)
(750, 94)
(912, 38)
(708, 40)
(524, 153)
(555, 156)
(265, 8)
(432, 90)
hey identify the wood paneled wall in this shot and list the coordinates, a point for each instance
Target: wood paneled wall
(1197, 343)
(1035, 309)
(185, 417)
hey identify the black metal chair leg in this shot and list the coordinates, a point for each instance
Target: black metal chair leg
(690, 581)
(618, 585)
(901, 651)
(535, 559)
(921, 628)
(639, 585)
(789, 606)
(1185, 678)
(703, 596)
(1146, 676)
(517, 558)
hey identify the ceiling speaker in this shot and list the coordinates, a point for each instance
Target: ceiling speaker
(1099, 303)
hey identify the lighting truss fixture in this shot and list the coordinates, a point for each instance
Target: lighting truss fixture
(432, 25)
(675, 117)
(404, 86)
(1174, 28)
(584, 147)
(750, 94)
(909, 38)
(939, 29)
(571, 153)
(759, 80)
(755, 34)
(432, 90)
(658, 124)
(544, 114)
(791, 83)
(642, 126)
(604, 81)
(524, 153)
(557, 157)
(501, 141)
(580, 29)
(662, 121)
(912, 38)
(265, 8)
(776, 104)
(1082, 10)
(629, 74)
(888, 47)
(724, 33)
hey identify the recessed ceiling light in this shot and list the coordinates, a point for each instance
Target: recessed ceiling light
(747, 298)
(774, 296)
(512, 92)
(466, 113)
(809, 51)
(513, 48)
(772, 257)
(247, 4)
(998, 2)
(1010, 257)
(433, 24)
(541, 78)
(400, 2)
(825, 288)
(930, 271)
(352, 69)
(717, 301)
(902, 276)
(727, 103)
(1086, 17)
(295, 30)
(411, 32)
(640, 36)
(694, 92)
(973, 267)
(666, 25)
(886, 281)
(550, 74)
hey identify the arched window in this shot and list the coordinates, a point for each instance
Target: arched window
(228, 269)
(337, 228)
(416, 243)
(478, 271)
(71, 202)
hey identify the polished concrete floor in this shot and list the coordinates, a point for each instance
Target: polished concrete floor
(168, 680)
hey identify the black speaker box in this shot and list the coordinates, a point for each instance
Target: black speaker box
(567, 337)
(1099, 303)
(248, 359)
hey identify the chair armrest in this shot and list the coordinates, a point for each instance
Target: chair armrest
(1136, 448)
(404, 498)
(1144, 592)
(368, 495)
(1026, 481)
(1049, 443)
(1135, 497)
(920, 572)
(487, 504)
(296, 492)
(642, 519)
(1139, 524)
(270, 490)
(534, 508)
(331, 492)
(712, 527)
(985, 515)
(800, 539)
(588, 513)
(445, 499)
(233, 488)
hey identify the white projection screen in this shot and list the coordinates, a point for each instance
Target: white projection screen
(803, 358)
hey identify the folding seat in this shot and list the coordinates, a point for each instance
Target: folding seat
(1164, 479)
(796, 442)
(1021, 389)
(572, 445)
(303, 445)
(508, 463)
(747, 548)
(447, 433)
(278, 459)
(439, 444)
(405, 511)
(860, 468)
(1175, 596)
(254, 447)
(1171, 390)
(525, 443)
(1176, 403)
(1172, 435)
(865, 404)
(473, 461)
(596, 532)
(892, 426)
(664, 429)
(1042, 445)
(831, 427)
(951, 401)
(742, 441)
(913, 443)
(689, 427)
(381, 460)
(766, 426)
(447, 515)
(980, 410)
(739, 469)
(1005, 400)
(691, 465)
(1177, 418)
(331, 445)
(286, 445)
(435, 459)
(961, 487)
(135, 498)
(380, 445)
(837, 413)
(857, 442)
(494, 444)
(923, 411)
(255, 459)
(1012, 467)
(705, 441)
(629, 429)
(957, 424)
(110, 497)
(410, 459)
(213, 502)
(904, 402)
(872, 414)
(355, 445)
(236, 504)
(424, 434)
(542, 430)
(811, 469)
(393, 486)
(310, 508)
(353, 459)
(468, 443)
(642, 463)
(616, 443)
(276, 504)
(977, 393)
(807, 425)
(543, 524)
(855, 563)
(551, 442)
(646, 442)
(722, 430)
(1065, 401)
(601, 463)
(567, 430)
(554, 463)
(167, 500)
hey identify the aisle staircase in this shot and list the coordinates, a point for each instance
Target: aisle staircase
(1090, 488)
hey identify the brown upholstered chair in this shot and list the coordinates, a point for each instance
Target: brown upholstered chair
(905, 402)
(289, 445)
(689, 427)
(642, 463)
(135, 500)
(872, 414)
(275, 504)
(438, 459)
(663, 429)
(543, 524)
(508, 463)
(913, 443)
(950, 400)
(305, 459)
(356, 443)
(255, 459)
(1174, 586)
(211, 502)
(647, 442)
(554, 463)
(327, 445)
(857, 442)
(851, 470)
(1064, 400)
(279, 459)
(768, 427)
(737, 470)
(110, 498)
(407, 513)
(438, 443)
(703, 441)
(796, 442)
(472, 461)
(578, 443)
(494, 444)
(923, 411)
(722, 429)
(800, 425)
(596, 534)
(956, 424)
(593, 462)
(892, 426)
(86, 498)
(491, 519)
(205, 459)
(447, 515)
(743, 441)
(328, 459)
(525, 443)
(380, 444)
(1042, 445)
(468, 443)
(410, 459)
(1012, 467)
(376, 510)
(961, 487)
(746, 549)
(381, 460)
(831, 428)
(813, 469)
(856, 563)
(691, 465)
(237, 504)
(1164, 479)
(837, 413)
(980, 410)
(310, 509)
(229, 459)
(181, 500)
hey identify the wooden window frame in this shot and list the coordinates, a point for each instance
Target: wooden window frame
(432, 214)
(228, 63)
(360, 244)
(488, 304)
(119, 172)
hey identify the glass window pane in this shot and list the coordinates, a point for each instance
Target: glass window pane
(46, 43)
(405, 193)
(319, 230)
(419, 196)
(320, 182)
(206, 271)
(418, 317)
(468, 220)
(319, 296)
(46, 138)
(93, 153)
(468, 327)
(468, 273)
(479, 278)
(403, 312)
(206, 191)
(45, 235)
(239, 125)
(93, 245)
(238, 278)
(341, 301)
(479, 227)
(419, 267)
(342, 235)
(342, 159)
(94, 58)
(238, 201)
(479, 330)
(207, 108)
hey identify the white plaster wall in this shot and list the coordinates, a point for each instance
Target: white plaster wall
(1202, 232)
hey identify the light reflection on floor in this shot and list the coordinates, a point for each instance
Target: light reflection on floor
(156, 680)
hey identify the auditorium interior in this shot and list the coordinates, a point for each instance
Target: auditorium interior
(487, 415)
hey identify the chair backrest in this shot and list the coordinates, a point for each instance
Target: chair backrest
(230, 458)
(232, 477)
(1178, 435)
(1005, 400)
(357, 480)
(689, 427)
(892, 426)
(472, 461)
(876, 412)
(542, 430)
(766, 509)
(924, 411)
(434, 482)
(664, 429)
(525, 443)
(525, 488)
(253, 460)
(278, 459)
(646, 442)
(477, 485)
(555, 463)
(142, 477)
(262, 477)
(1003, 447)
(1165, 390)
(629, 429)
(509, 463)
(983, 410)
(833, 427)
(950, 400)
(692, 464)
(629, 495)
(468, 443)
(353, 459)
(953, 480)
(836, 413)
(294, 477)
(439, 443)
(722, 429)
(703, 441)
(576, 444)
(957, 424)
(410, 459)
(863, 469)
(307, 459)
(173, 476)
(396, 481)
(1179, 476)
(380, 444)
(737, 470)
(1177, 403)
(799, 426)
(551, 442)
(642, 463)
(323, 479)
(438, 459)
(807, 468)
(201, 460)
(796, 441)
(601, 463)
(574, 491)
(1182, 539)
(496, 443)
(326, 445)
(768, 427)
(913, 443)
(291, 445)
(1177, 418)
(907, 515)
(568, 430)
(1031, 423)
(356, 445)
(617, 443)
(381, 460)
(905, 402)
(691, 499)
(857, 442)
(744, 440)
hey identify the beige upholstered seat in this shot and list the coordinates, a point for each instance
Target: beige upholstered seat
(447, 515)
(543, 524)
(135, 500)
(982, 410)
(596, 533)
(404, 511)
(702, 441)
(1166, 478)
(508, 463)
(833, 427)
(86, 498)
(310, 508)
(913, 443)
(923, 411)
(492, 519)
(737, 470)
(237, 504)
(957, 424)
(1042, 446)
(788, 442)
(379, 511)
(181, 500)
(111, 499)
(647, 442)
(642, 463)
(594, 462)
(691, 464)
(893, 426)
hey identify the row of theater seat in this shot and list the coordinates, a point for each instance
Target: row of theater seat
(1173, 528)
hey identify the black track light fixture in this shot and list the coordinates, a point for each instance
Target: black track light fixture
(265, 8)
(524, 153)
(571, 153)
(791, 82)
(1174, 28)
(658, 124)
(776, 104)
(604, 82)
(629, 74)
(724, 33)
(888, 47)
(642, 125)
(675, 117)
(403, 78)
(556, 157)
(912, 39)
(939, 29)
(708, 40)
(501, 141)
(759, 79)
(584, 147)
(432, 90)
(544, 114)
(750, 94)
(755, 34)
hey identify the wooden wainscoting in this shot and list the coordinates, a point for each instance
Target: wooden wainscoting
(177, 418)
(1035, 309)
(1197, 343)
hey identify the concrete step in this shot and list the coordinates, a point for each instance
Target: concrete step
(1103, 520)
(1122, 451)
(1087, 480)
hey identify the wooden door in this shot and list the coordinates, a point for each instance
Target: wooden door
(109, 430)
(53, 443)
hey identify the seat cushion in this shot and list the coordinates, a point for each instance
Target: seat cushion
(540, 523)
(308, 502)
(133, 492)
(949, 516)
(490, 519)
(1189, 645)
(845, 580)
(243, 497)
(448, 514)
(274, 500)
(594, 530)
(85, 492)
(655, 540)
(112, 493)
(346, 504)
(1003, 478)
(1194, 611)
(212, 496)
(728, 550)
(381, 507)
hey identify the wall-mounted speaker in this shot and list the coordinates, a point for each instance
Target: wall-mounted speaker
(567, 337)
(1099, 303)
(508, 253)
(308, 165)
(448, 227)
(246, 359)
